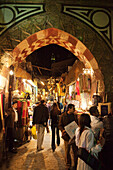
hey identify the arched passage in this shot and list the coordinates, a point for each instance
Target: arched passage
(61, 38)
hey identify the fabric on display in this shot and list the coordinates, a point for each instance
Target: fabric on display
(22, 113)
(77, 88)
(1, 111)
(19, 109)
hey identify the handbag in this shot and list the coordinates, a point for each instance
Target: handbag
(65, 136)
(89, 159)
(33, 131)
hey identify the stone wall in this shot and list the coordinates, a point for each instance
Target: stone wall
(54, 16)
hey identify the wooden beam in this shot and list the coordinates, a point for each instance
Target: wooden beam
(43, 68)
(15, 40)
(39, 70)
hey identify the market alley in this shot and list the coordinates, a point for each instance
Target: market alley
(28, 158)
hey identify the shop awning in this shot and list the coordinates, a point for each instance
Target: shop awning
(23, 74)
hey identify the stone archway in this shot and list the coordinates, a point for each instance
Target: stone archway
(61, 38)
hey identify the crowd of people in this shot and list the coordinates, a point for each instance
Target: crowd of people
(93, 133)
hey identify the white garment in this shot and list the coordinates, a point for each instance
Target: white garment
(16, 115)
(96, 125)
(86, 140)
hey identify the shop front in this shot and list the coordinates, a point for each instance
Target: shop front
(81, 86)
(4, 75)
(25, 92)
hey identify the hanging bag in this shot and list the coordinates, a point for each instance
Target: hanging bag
(89, 159)
(65, 136)
(33, 130)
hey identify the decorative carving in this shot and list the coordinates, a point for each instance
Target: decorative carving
(98, 19)
(14, 13)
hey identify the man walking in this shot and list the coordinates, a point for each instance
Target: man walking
(66, 118)
(40, 118)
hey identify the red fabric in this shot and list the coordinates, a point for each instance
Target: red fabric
(27, 115)
(1, 112)
(19, 110)
(22, 113)
(28, 103)
(77, 88)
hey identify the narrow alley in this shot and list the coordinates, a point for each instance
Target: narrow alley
(56, 72)
(28, 158)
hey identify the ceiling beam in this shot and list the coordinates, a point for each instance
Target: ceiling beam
(42, 68)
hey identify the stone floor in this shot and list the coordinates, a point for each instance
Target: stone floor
(28, 158)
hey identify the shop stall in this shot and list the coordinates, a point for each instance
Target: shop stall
(3, 105)
(81, 85)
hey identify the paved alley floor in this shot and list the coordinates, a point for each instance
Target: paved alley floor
(28, 158)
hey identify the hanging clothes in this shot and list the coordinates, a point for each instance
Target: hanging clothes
(77, 88)
(22, 113)
(1, 112)
(3, 98)
(19, 110)
(86, 82)
(28, 103)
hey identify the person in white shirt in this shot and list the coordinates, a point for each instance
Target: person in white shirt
(96, 123)
(84, 137)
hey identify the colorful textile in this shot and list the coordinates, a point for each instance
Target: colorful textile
(77, 88)
(19, 109)
(22, 113)
(28, 103)
(3, 99)
(1, 112)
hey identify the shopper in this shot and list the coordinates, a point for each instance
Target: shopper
(65, 119)
(11, 118)
(96, 123)
(107, 152)
(40, 118)
(84, 138)
(65, 107)
(54, 115)
(49, 109)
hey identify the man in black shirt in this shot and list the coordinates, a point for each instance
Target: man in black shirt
(40, 118)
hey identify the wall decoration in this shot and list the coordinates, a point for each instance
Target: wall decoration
(14, 13)
(97, 18)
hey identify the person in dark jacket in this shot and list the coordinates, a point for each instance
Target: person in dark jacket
(107, 152)
(64, 120)
(40, 118)
(65, 107)
(54, 115)
(11, 116)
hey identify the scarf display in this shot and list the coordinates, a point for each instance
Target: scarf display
(19, 110)
(85, 83)
(22, 113)
(1, 111)
(77, 88)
